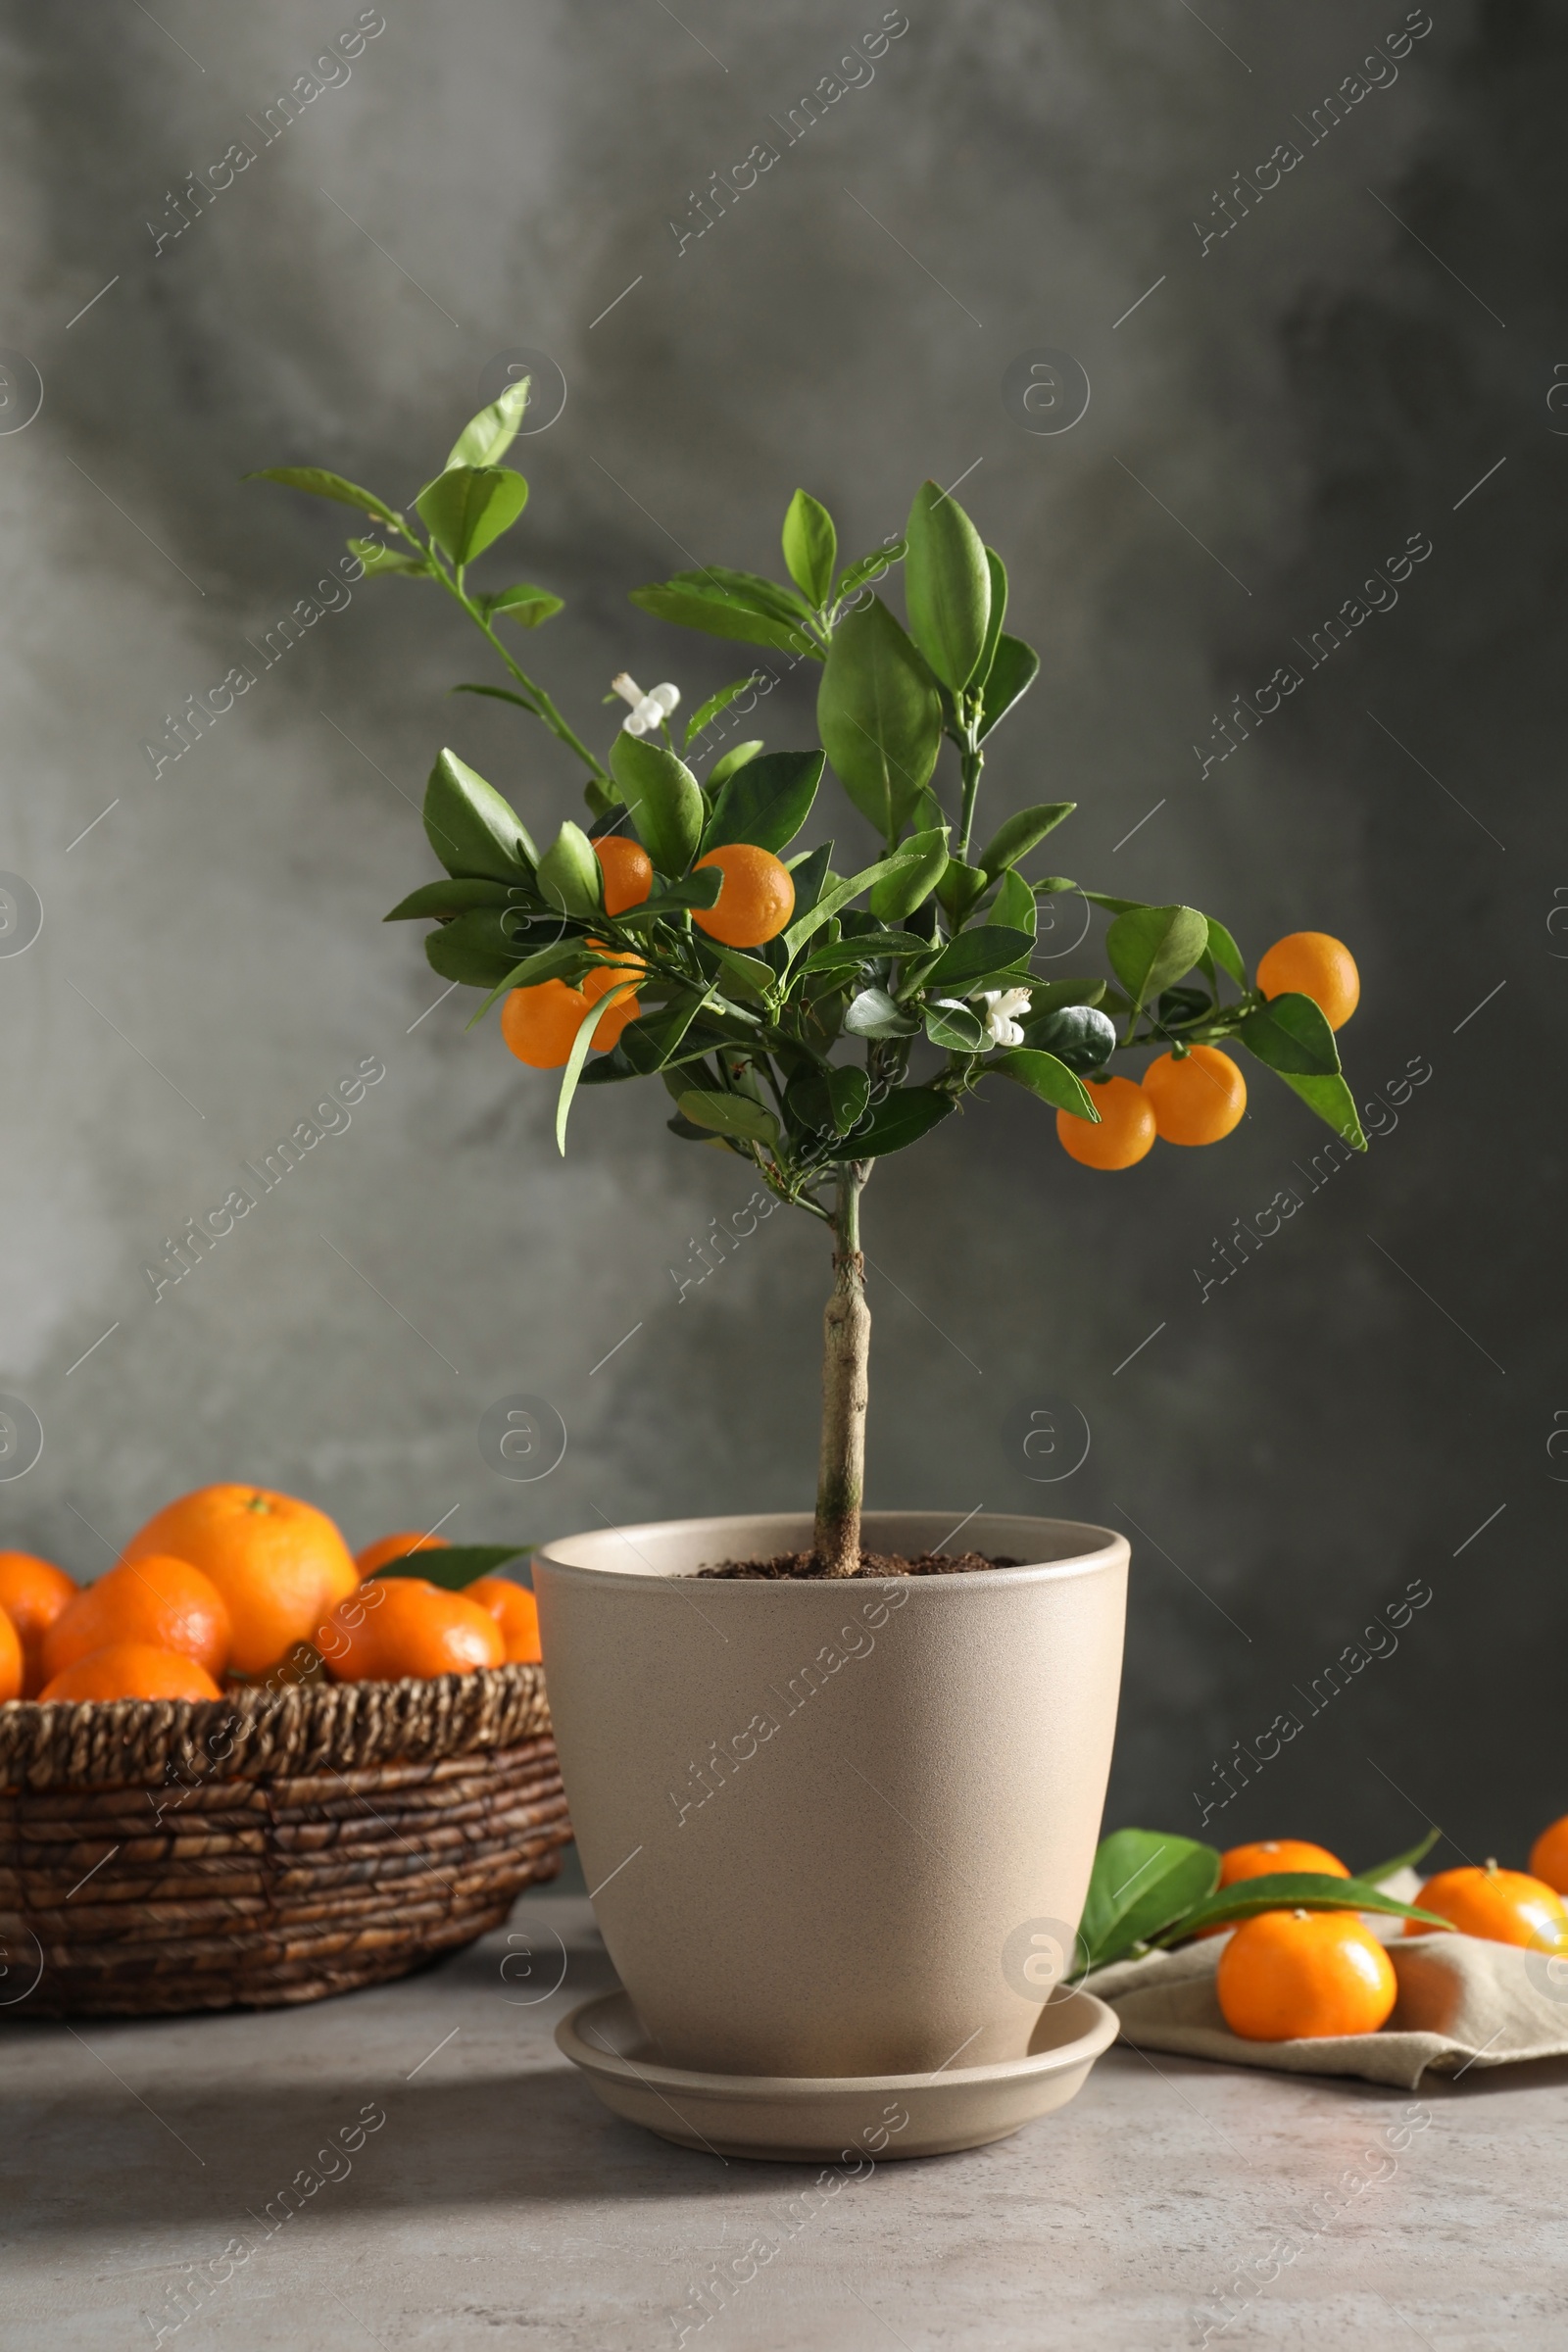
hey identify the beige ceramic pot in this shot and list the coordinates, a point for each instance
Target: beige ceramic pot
(835, 1827)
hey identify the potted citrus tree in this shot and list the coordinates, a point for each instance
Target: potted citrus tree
(827, 1772)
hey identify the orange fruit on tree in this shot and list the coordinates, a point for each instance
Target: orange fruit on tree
(280, 1563)
(12, 1671)
(1503, 1906)
(1197, 1098)
(132, 1670)
(396, 1626)
(517, 1612)
(1309, 963)
(32, 1594)
(755, 899)
(539, 1024)
(395, 1547)
(627, 869)
(1126, 1130)
(1548, 1856)
(157, 1602)
(1290, 1976)
(1267, 1855)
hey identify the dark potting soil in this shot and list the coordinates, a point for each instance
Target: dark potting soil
(803, 1565)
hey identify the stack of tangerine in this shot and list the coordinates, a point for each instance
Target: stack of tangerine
(1303, 1974)
(231, 1580)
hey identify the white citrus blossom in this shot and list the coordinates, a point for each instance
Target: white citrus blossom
(1000, 1005)
(648, 711)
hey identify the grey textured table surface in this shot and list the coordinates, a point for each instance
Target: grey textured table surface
(498, 2203)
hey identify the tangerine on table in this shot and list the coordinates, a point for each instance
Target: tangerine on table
(395, 1547)
(1126, 1130)
(32, 1594)
(1548, 1856)
(1267, 1855)
(539, 1024)
(1198, 1098)
(627, 869)
(1290, 1976)
(1311, 963)
(132, 1670)
(398, 1626)
(517, 1612)
(755, 899)
(12, 1663)
(280, 1563)
(157, 1602)
(1502, 1906)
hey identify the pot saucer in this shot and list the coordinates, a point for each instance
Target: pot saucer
(838, 2118)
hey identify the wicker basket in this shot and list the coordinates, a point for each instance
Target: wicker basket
(171, 1855)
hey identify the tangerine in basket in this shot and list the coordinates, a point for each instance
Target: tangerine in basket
(132, 1670)
(1502, 1906)
(280, 1563)
(32, 1594)
(395, 1547)
(1301, 1976)
(517, 1612)
(12, 1668)
(157, 1602)
(755, 898)
(1199, 1100)
(1126, 1131)
(1267, 1855)
(397, 1626)
(1548, 1856)
(1313, 963)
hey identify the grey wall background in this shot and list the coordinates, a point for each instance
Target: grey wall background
(1265, 426)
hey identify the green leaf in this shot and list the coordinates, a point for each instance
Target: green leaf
(848, 1089)
(1406, 1861)
(923, 860)
(897, 1122)
(706, 712)
(570, 875)
(810, 875)
(470, 506)
(1142, 1882)
(955, 1028)
(722, 616)
(1290, 1890)
(730, 1114)
(1014, 904)
(599, 1011)
(1077, 1034)
(1098, 897)
(698, 890)
(471, 829)
(650, 1044)
(1018, 835)
(1291, 1035)
(1331, 1100)
(750, 974)
(874, 566)
(866, 947)
(1226, 954)
(975, 954)
(322, 484)
(378, 559)
(453, 1566)
(879, 715)
(486, 438)
(734, 759)
(811, 547)
(472, 951)
(499, 694)
(960, 887)
(1050, 995)
(747, 588)
(766, 800)
(1052, 1080)
(1151, 946)
(450, 898)
(526, 605)
(1013, 669)
(873, 1013)
(998, 605)
(947, 585)
(663, 797)
(832, 894)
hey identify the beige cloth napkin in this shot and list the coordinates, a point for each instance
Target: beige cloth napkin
(1463, 2003)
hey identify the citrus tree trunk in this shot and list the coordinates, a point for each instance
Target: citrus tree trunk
(846, 1355)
